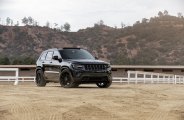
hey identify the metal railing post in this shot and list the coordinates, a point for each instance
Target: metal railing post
(128, 77)
(121, 80)
(144, 78)
(135, 77)
(163, 79)
(175, 79)
(158, 76)
(152, 78)
(16, 77)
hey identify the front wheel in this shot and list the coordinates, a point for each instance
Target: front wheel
(40, 81)
(105, 84)
(66, 79)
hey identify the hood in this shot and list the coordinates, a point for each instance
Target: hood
(86, 61)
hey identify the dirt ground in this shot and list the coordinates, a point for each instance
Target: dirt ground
(119, 102)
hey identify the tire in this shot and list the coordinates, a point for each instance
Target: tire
(66, 79)
(104, 84)
(40, 81)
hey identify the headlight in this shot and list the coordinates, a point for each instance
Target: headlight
(108, 67)
(78, 67)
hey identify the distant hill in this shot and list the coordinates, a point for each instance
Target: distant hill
(157, 41)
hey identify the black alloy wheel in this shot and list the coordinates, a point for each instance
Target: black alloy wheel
(66, 79)
(40, 81)
(104, 84)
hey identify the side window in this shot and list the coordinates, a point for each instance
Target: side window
(49, 56)
(43, 56)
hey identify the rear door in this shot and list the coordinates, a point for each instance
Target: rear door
(48, 66)
(51, 67)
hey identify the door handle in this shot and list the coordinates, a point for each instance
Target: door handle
(43, 62)
(50, 62)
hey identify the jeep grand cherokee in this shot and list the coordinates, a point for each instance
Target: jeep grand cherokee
(71, 67)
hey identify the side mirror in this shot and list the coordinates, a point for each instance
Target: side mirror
(60, 60)
(96, 57)
(57, 58)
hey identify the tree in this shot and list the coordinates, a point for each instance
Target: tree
(160, 14)
(61, 28)
(152, 20)
(30, 20)
(101, 22)
(4, 61)
(180, 15)
(28, 61)
(166, 12)
(48, 24)
(144, 20)
(17, 62)
(55, 25)
(8, 20)
(11, 21)
(35, 23)
(122, 25)
(25, 21)
(137, 22)
(17, 24)
(66, 27)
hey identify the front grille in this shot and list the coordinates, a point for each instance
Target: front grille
(95, 67)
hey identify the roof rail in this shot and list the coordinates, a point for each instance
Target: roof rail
(71, 48)
(52, 49)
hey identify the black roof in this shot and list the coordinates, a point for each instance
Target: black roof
(71, 48)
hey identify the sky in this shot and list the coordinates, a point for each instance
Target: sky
(84, 13)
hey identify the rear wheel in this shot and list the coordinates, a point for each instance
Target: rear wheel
(66, 79)
(40, 81)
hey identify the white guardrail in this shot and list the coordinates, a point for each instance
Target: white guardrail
(15, 78)
(135, 77)
(150, 78)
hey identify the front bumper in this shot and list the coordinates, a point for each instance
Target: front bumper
(91, 76)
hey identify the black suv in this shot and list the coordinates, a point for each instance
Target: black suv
(72, 67)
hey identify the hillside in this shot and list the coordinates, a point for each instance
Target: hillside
(157, 41)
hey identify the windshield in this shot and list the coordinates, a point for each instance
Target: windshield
(75, 54)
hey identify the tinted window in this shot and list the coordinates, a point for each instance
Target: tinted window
(43, 56)
(75, 54)
(49, 55)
